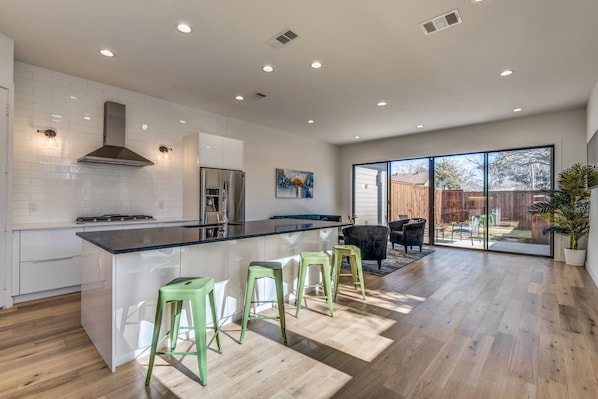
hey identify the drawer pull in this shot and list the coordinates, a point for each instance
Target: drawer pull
(52, 260)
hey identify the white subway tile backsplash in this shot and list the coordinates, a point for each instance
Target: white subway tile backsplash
(62, 188)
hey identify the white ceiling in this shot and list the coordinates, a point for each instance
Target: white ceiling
(372, 50)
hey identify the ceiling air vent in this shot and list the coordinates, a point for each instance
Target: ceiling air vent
(441, 22)
(282, 38)
(258, 96)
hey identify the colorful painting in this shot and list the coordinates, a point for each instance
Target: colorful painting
(294, 184)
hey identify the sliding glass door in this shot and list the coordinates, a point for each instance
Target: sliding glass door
(370, 193)
(410, 190)
(515, 181)
(477, 200)
(459, 200)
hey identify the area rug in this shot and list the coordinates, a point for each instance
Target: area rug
(395, 259)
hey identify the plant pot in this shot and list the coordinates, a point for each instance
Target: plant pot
(575, 257)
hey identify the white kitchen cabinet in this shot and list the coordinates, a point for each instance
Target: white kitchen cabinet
(220, 152)
(210, 150)
(232, 153)
(49, 244)
(48, 260)
(43, 275)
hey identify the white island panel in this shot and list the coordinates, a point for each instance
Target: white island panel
(139, 276)
(208, 261)
(97, 299)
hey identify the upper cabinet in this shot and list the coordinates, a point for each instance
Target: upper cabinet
(232, 153)
(220, 152)
(212, 151)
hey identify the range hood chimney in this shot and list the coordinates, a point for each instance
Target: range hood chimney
(113, 151)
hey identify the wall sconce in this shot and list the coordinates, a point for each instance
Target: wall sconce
(50, 140)
(164, 151)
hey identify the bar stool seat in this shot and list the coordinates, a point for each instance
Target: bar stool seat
(321, 260)
(354, 254)
(175, 292)
(256, 271)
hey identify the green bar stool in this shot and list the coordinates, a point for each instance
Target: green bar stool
(175, 292)
(354, 254)
(321, 260)
(256, 271)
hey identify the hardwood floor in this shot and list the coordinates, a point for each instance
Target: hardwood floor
(455, 324)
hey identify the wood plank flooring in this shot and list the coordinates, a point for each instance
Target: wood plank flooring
(455, 324)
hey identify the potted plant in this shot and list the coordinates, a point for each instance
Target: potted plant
(567, 209)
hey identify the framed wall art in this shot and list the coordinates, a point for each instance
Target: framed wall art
(294, 184)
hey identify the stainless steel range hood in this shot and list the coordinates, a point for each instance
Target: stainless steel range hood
(113, 151)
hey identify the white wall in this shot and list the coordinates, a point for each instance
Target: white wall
(592, 254)
(7, 92)
(565, 129)
(268, 149)
(50, 186)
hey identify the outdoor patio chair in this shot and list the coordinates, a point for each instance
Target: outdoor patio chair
(471, 227)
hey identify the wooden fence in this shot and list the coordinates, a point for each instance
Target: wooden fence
(458, 205)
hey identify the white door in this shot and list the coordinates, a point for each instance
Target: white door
(4, 261)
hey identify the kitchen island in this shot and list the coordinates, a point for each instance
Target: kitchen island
(122, 271)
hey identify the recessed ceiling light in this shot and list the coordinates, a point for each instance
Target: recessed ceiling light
(316, 65)
(183, 28)
(310, 121)
(87, 118)
(357, 137)
(507, 72)
(182, 122)
(106, 53)
(73, 97)
(267, 68)
(239, 98)
(419, 126)
(517, 109)
(476, 1)
(144, 126)
(381, 104)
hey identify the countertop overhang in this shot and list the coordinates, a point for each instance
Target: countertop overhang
(145, 239)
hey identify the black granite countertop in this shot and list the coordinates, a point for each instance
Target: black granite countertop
(134, 240)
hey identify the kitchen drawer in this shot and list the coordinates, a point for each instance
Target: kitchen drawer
(139, 226)
(49, 244)
(178, 224)
(38, 276)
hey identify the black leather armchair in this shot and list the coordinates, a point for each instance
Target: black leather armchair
(407, 233)
(372, 240)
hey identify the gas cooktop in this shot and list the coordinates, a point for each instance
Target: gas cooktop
(113, 218)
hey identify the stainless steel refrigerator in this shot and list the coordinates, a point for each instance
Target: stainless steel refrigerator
(221, 196)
